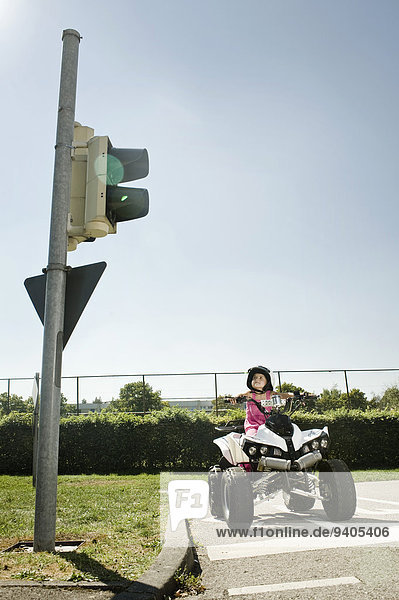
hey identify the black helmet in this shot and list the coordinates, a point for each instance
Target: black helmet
(266, 372)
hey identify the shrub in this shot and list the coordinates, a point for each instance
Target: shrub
(177, 439)
(16, 444)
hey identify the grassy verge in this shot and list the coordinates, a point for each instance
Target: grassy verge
(381, 475)
(118, 517)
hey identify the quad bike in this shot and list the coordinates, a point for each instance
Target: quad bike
(280, 457)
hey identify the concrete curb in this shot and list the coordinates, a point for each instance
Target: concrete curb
(61, 585)
(158, 581)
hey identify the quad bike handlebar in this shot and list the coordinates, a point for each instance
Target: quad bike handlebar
(288, 406)
(296, 402)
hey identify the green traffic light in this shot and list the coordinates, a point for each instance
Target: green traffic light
(133, 204)
(115, 170)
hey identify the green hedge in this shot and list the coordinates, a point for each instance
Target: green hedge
(176, 439)
(16, 444)
(363, 439)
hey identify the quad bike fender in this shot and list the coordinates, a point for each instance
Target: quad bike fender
(268, 437)
(297, 438)
(311, 434)
(231, 449)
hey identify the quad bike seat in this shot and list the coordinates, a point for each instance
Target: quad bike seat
(231, 427)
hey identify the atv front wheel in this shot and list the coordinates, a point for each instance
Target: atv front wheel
(215, 491)
(295, 502)
(337, 490)
(237, 499)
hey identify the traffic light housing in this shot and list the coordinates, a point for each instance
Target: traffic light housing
(76, 217)
(106, 203)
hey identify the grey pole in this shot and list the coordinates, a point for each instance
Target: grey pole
(49, 416)
(346, 384)
(35, 425)
(279, 380)
(143, 394)
(77, 395)
(216, 393)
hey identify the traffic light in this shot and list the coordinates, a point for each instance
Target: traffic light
(106, 203)
(76, 217)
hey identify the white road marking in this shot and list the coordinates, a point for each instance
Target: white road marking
(278, 545)
(379, 501)
(378, 512)
(271, 545)
(293, 585)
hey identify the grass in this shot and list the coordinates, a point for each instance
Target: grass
(188, 584)
(118, 517)
(380, 475)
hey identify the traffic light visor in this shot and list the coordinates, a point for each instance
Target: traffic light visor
(126, 204)
(126, 164)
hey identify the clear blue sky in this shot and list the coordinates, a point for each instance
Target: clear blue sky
(272, 129)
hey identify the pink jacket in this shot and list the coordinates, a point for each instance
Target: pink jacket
(254, 417)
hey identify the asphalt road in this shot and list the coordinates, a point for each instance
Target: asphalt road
(361, 562)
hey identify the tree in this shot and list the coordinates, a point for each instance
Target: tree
(29, 405)
(65, 408)
(389, 400)
(11, 403)
(289, 387)
(221, 403)
(17, 404)
(334, 399)
(357, 399)
(308, 403)
(330, 399)
(134, 397)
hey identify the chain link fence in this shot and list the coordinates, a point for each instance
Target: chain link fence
(199, 390)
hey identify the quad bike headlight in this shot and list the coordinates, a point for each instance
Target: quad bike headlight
(277, 452)
(263, 450)
(324, 442)
(252, 450)
(315, 444)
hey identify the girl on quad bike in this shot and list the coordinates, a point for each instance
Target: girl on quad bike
(275, 455)
(259, 398)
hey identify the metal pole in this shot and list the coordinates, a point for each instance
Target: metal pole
(143, 394)
(35, 425)
(216, 394)
(279, 380)
(8, 397)
(77, 395)
(49, 416)
(347, 387)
